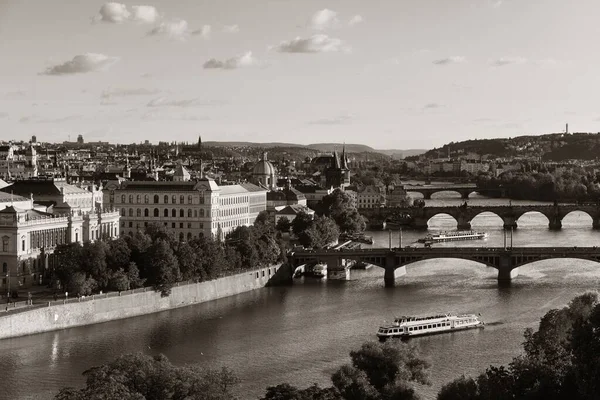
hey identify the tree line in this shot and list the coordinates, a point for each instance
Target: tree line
(560, 361)
(155, 257)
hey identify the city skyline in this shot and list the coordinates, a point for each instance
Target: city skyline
(413, 74)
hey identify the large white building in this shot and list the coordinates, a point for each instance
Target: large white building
(187, 208)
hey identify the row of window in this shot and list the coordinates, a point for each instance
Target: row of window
(227, 201)
(429, 326)
(156, 199)
(156, 213)
(173, 225)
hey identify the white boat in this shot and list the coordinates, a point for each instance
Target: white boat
(319, 271)
(406, 326)
(451, 236)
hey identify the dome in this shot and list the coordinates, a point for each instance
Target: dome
(263, 167)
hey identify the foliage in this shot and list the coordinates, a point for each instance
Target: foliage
(283, 225)
(341, 207)
(138, 376)
(560, 360)
(321, 232)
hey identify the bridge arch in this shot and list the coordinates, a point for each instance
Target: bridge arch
(447, 219)
(460, 194)
(486, 214)
(519, 215)
(586, 216)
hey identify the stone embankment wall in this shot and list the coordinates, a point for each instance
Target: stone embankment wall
(98, 310)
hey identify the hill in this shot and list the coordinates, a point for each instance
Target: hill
(548, 147)
(321, 147)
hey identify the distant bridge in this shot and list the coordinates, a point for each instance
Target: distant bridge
(419, 217)
(464, 189)
(394, 261)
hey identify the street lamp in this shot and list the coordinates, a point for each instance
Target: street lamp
(8, 286)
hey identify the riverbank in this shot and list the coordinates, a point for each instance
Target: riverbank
(110, 307)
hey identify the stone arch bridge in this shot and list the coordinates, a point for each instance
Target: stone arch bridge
(419, 217)
(394, 261)
(464, 189)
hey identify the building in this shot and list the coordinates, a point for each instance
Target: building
(29, 235)
(370, 196)
(181, 174)
(187, 208)
(397, 197)
(264, 173)
(54, 191)
(291, 212)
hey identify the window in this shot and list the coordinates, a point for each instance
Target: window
(4, 268)
(189, 225)
(156, 212)
(190, 199)
(131, 212)
(23, 245)
(166, 199)
(181, 225)
(131, 198)
(201, 199)
(156, 199)
(174, 213)
(146, 213)
(146, 199)
(130, 224)
(190, 213)
(195, 213)
(123, 198)
(139, 212)
(189, 236)
(138, 199)
(166, 212)
(122, 212)
(181, 213)
(173, 225)
(201, 212)
(181, 199)
(174, 199)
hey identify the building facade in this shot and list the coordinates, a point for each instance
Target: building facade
(29, 236)
(187, 208)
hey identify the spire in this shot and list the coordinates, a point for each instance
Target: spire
(344, 159)
(200, 142)
(336, 160)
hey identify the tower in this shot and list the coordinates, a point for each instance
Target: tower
(200, 155)
(567, 128)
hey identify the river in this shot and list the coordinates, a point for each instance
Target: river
(302, 333)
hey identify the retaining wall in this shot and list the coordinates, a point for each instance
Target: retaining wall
(98, 310)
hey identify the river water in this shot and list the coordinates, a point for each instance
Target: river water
(302, 333)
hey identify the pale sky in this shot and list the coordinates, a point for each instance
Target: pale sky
(386, 73)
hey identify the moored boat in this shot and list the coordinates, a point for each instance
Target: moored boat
(452, 236)
(409, 326)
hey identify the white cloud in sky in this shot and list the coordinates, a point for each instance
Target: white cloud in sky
(126, 92)
(174, 29)
(82, 63)
(117, 13)
(243, 60)
(497, 3)
(449, 60)
(203, 32)
(145, 14)
(324, 19)
(231, 29)
(165, 102)
(113, 12)
(357, 19)
(314, 44)
(339, 120)
(431, 106)
(503, 61)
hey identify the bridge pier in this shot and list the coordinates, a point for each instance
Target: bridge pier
(391, 274)
(465, 195)
(427, 195)
(506, 275)
(420, 223)
(463, 224)
(509, 223)
(336, 270)
(555, 223)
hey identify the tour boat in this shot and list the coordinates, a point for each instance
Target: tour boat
(406, 327)
(451, 236)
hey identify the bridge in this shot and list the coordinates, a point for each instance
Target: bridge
(463, 189)
(394, 261)
(420, 216)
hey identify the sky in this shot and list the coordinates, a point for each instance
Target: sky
(391, 74)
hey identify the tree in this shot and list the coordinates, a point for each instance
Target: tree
(163, 267)
(119, 281)
(340, 206)
(462, 388)
(138, 376)
(283, 224)
(93, 262)
(322, 232)
(301, 223)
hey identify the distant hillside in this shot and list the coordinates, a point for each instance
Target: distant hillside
(321, 147)
(550, 147)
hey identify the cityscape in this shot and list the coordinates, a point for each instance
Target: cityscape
(397, 200)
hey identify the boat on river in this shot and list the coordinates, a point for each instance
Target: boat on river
(452, 236)
(409, 326)
(356, 237)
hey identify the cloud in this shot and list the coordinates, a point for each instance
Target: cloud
(357, 19)
(503, 61)
(432, 106)
(174, 30)
(82, 63)
(497, 3)
(203, 32)
(231, 29)
(145, 14)
(122, 92)
(38, 120)
(449, 60)
(164, 102)
(323, 19)
(117, 13)
(243, 60)
(339, 120)
(315, 44)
